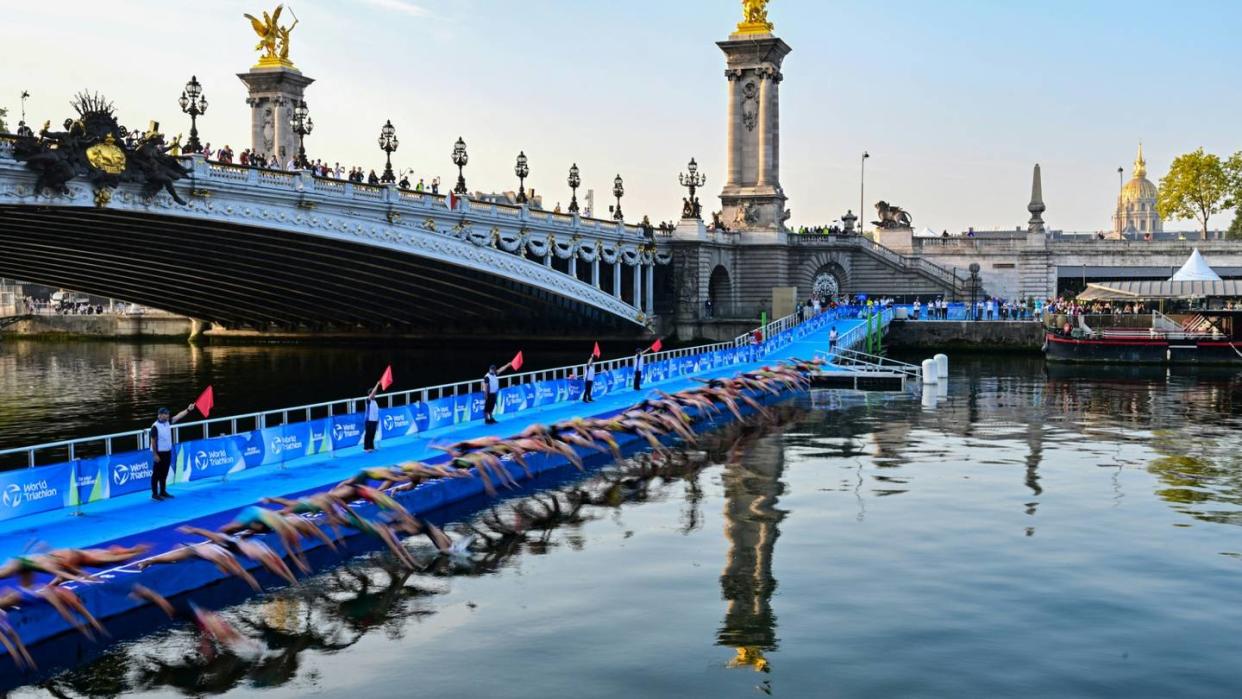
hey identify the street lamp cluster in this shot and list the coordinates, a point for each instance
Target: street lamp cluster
(194, 103)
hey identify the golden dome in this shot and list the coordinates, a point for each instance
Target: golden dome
(1139, 188)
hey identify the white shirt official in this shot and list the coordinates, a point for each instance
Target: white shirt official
(162, 432)
(491, 382)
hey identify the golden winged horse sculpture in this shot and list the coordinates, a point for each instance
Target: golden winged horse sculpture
(273, 38)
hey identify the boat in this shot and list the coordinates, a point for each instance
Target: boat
(1200, 322)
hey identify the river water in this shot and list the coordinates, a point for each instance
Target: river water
(1039, 532)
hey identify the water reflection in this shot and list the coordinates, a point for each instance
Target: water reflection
(752, 486)
(336, 609)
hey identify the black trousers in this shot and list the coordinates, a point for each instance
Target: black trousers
(368, 435)
(586, 391)
(638, 379)
(489, 404)
(159, 475)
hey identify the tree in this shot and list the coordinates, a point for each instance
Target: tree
(1235, 228)
(1195, 188)
(4, 128)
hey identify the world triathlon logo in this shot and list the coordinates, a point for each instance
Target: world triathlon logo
(120, 474)
(338, 432)
(276, 445)
(13, 495)
(387, 423)
(202, 461)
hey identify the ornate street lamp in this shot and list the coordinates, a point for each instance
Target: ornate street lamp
(618, 191)
(974, 289)
(388, 143)
(194, 103)
(302, 125)
(574, 182)
(521, 170)
(460, 158)
(693, 181)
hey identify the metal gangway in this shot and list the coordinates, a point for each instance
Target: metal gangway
(863, 371)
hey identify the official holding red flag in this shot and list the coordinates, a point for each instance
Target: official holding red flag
(371, 422)
(589, 375)
(639, 361)
(161, 439)
(491, 387)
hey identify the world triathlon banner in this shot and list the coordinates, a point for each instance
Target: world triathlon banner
(83, 481)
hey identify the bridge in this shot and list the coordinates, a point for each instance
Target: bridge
(267, 249)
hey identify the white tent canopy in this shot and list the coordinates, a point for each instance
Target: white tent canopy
(1196, 269)
(927, 233)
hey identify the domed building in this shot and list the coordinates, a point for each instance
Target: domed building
(1136, 215)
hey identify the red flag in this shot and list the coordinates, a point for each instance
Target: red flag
(452, 201)
(386, 380)
(657, 345)
(595, 352)
(205, 402)
(517, 361)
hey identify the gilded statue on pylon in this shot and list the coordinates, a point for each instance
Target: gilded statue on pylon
(273, 38)
(754, 18)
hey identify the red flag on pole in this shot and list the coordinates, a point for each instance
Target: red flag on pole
(657, 345)
(517, 361)
(386, 379)
(452, 201)
(595, 352)
(205, 402)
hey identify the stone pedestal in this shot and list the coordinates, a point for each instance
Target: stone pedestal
(274, 91)
(896, 239)
(690, 229)
(752, 200)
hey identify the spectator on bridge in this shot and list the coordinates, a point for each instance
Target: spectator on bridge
(244, 158)
(161, 438)
(404, 183)
(832, 340)
(435, 185)
(420, 186)
(987, 307)
(371, 420)
(338, 172)
(374, 178)
(291, 165)
(207, 151)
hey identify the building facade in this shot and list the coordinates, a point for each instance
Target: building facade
(1136, 215)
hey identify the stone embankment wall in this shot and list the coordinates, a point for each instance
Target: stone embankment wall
(103, 327)
(977, 335)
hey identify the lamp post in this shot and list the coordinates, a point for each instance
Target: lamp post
(574, 182)
(521, 169)
(302, 125)
(618, 191)
(974, 289)
(194, 103)
(693, 181)
(388, 143)
(460, 158)
(862, 192)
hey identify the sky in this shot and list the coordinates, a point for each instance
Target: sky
(955, 100)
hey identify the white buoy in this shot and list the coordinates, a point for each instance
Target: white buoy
(942, 365)
(929, 399)
(930, 375)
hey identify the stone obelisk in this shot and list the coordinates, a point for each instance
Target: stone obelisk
(276, 86)
(752, 200)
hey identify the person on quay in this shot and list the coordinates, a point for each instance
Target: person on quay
(371, 422)
(161, 450)
(588, 383)
(491, 389)
(832, 340)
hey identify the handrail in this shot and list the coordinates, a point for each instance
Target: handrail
(268, 418)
